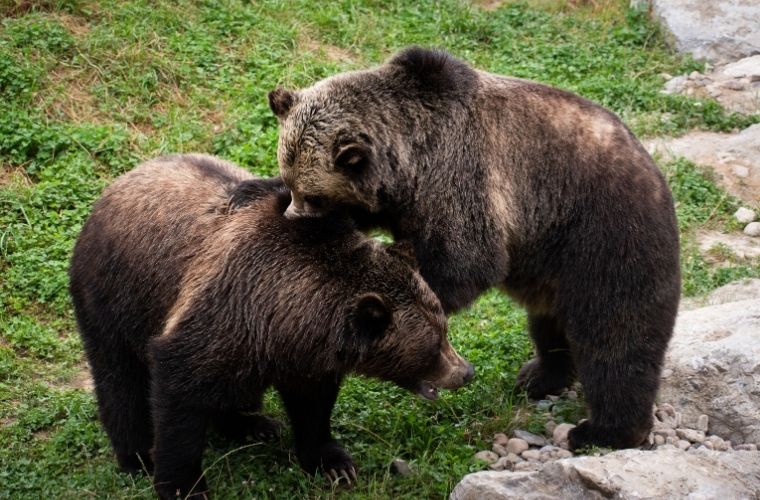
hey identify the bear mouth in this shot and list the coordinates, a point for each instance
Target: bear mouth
(427, 390)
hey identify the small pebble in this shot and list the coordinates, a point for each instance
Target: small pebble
(679, 419)
(560, 435)
(692, 435)
(683, 444)
(752, 229)
(718, 443)
(740, 171)
(517, 446)
(515, 459)
(531, 455)
(659, 440)
(667, 372)
(703, 422)
(549, 449)
(572, 395)
(667, 409)
(746, 447)
(549, 426)
(552, 397)
(695, 75)
(527, 466)
(529, 437)
(499, 450)
(671, 440)
(544, 405)
(502, 464)
(401, 467)
(486, 456)
(500, 438)
(744, 215)
(733, 85)
(546, 457)
(709, 445)
(563, 454)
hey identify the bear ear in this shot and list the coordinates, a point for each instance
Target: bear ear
(435, 70)
(372, 314)
(353, 158)
(280, 102)
(404, 250)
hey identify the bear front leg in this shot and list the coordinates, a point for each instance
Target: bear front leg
(552, 369)
(309, 408)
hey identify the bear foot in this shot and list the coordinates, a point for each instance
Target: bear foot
(537, 381)
(587, 434)
(135, 463)
(239, 427)
(334, 462)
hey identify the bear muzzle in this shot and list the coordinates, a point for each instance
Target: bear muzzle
(301, 208)
(452, 372)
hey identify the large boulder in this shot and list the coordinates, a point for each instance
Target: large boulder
(712, 367)
(634, 474)
(719, 31)
(735, 158)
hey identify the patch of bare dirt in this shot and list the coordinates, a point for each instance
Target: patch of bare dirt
(333, 52)
(76, 25)
(82, 380)
(13, 174)
(71, 99)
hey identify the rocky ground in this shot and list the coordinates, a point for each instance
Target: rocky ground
(705, 436)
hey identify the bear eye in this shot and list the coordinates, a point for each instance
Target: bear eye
(316, 202)
(353, 158)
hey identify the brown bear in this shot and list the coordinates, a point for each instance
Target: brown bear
(193, 294)
(504, 182)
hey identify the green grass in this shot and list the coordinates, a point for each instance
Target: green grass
(88, 89)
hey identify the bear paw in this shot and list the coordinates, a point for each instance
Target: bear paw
(538, 381)
(135, 463)
(240, 427)
(334, 462)
(587, 434)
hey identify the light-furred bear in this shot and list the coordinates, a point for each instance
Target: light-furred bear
(503, 182)
(193, 294)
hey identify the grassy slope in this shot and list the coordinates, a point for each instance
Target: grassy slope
(88, 89)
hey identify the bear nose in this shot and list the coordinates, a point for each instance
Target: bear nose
(469, 373)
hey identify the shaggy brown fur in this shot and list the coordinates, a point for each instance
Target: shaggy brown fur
(193, 294)
(504, 182)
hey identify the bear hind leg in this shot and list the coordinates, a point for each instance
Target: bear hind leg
(122, 387)
(552, 369)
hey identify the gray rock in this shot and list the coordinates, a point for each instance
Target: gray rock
(746, 447)
(715, 358)
(527, 466)
(500, 438)
(517, 446)
(716, 30)
(683, 444)
(549, 426)
(572, 395)
(515, 459)
(401, 468)
(659, 440)
(752, 229)
(560, 454)
(502, 464)
(499, 450)
(531, 455)
(703, 423)
(627, 474)
(692, 435)
(721, 152)
(744, 215)
(486, 456)
(530, 438)
(544, 405)
(560, 435)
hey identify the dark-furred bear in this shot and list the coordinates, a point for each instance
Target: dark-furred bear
(193, 294)
(502, 182)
